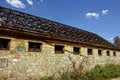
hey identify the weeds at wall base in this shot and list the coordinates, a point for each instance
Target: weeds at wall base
(106, 72)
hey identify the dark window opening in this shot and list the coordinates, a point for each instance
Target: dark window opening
(108, 53)
(59, 49)
(89, 51)
(4, 44)
(35, 47)
(114, 53)
(100, 52)
(76, 50)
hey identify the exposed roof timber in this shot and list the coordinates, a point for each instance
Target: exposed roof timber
(47, 39)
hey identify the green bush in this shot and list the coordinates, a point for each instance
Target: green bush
(106, 72)
(98, 73)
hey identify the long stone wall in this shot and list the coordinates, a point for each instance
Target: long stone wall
(19, 62)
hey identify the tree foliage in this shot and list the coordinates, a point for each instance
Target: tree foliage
(117, 41)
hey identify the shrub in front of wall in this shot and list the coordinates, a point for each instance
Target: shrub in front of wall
(106, 72)
(98, 73)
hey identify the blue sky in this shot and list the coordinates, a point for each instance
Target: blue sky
(98, 16)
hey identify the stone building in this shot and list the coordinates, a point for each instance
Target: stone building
(34, 46)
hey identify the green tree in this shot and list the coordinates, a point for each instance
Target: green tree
(117, 41)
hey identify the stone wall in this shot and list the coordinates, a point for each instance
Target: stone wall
(19, 62)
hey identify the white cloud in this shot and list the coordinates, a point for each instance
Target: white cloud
(30, 2)
(89, 15)
(16, 3)
(97, 15)
(105, 11)
(41, 0)
(111, 39)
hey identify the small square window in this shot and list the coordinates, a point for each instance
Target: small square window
(34, 47)
(114, 53)
(108, 53)
(100, 52)
(76, 50)
(89, 51)
(59, 49)
(4, 44)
